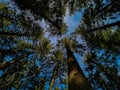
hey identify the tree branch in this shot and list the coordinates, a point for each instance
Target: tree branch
(7, 64)
(29, 6)
(11, 34)
(8, 17)
(100, 11)
(104, 27)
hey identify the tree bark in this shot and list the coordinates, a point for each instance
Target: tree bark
(76, 78)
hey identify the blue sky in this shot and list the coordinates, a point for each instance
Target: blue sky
(72, 21)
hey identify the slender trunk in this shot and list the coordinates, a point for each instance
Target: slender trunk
(76, 78)
(51, 83)
(55, 72)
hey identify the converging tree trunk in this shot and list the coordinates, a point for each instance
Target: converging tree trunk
(54, 74)
(76, 78)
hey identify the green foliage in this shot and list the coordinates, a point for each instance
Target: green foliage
(2, 5)
(29, 59)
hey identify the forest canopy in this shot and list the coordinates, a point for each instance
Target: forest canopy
(39, 52)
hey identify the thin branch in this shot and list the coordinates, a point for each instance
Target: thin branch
(31, 7)
(11, 34)
(7, 64)
(8, 17)
(104, 27)
(100, 11)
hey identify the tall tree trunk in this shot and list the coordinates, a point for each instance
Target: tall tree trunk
(52, 83)
(76, 78)
(55, 72)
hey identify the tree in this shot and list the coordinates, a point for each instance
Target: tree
(27, 45)
(59, 68)
(76, 77)
(52, 11)
(101, 37)
(102, 58)
(19, 51)
(24, 43)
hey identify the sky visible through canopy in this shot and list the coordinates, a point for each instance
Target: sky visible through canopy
(72, 21)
